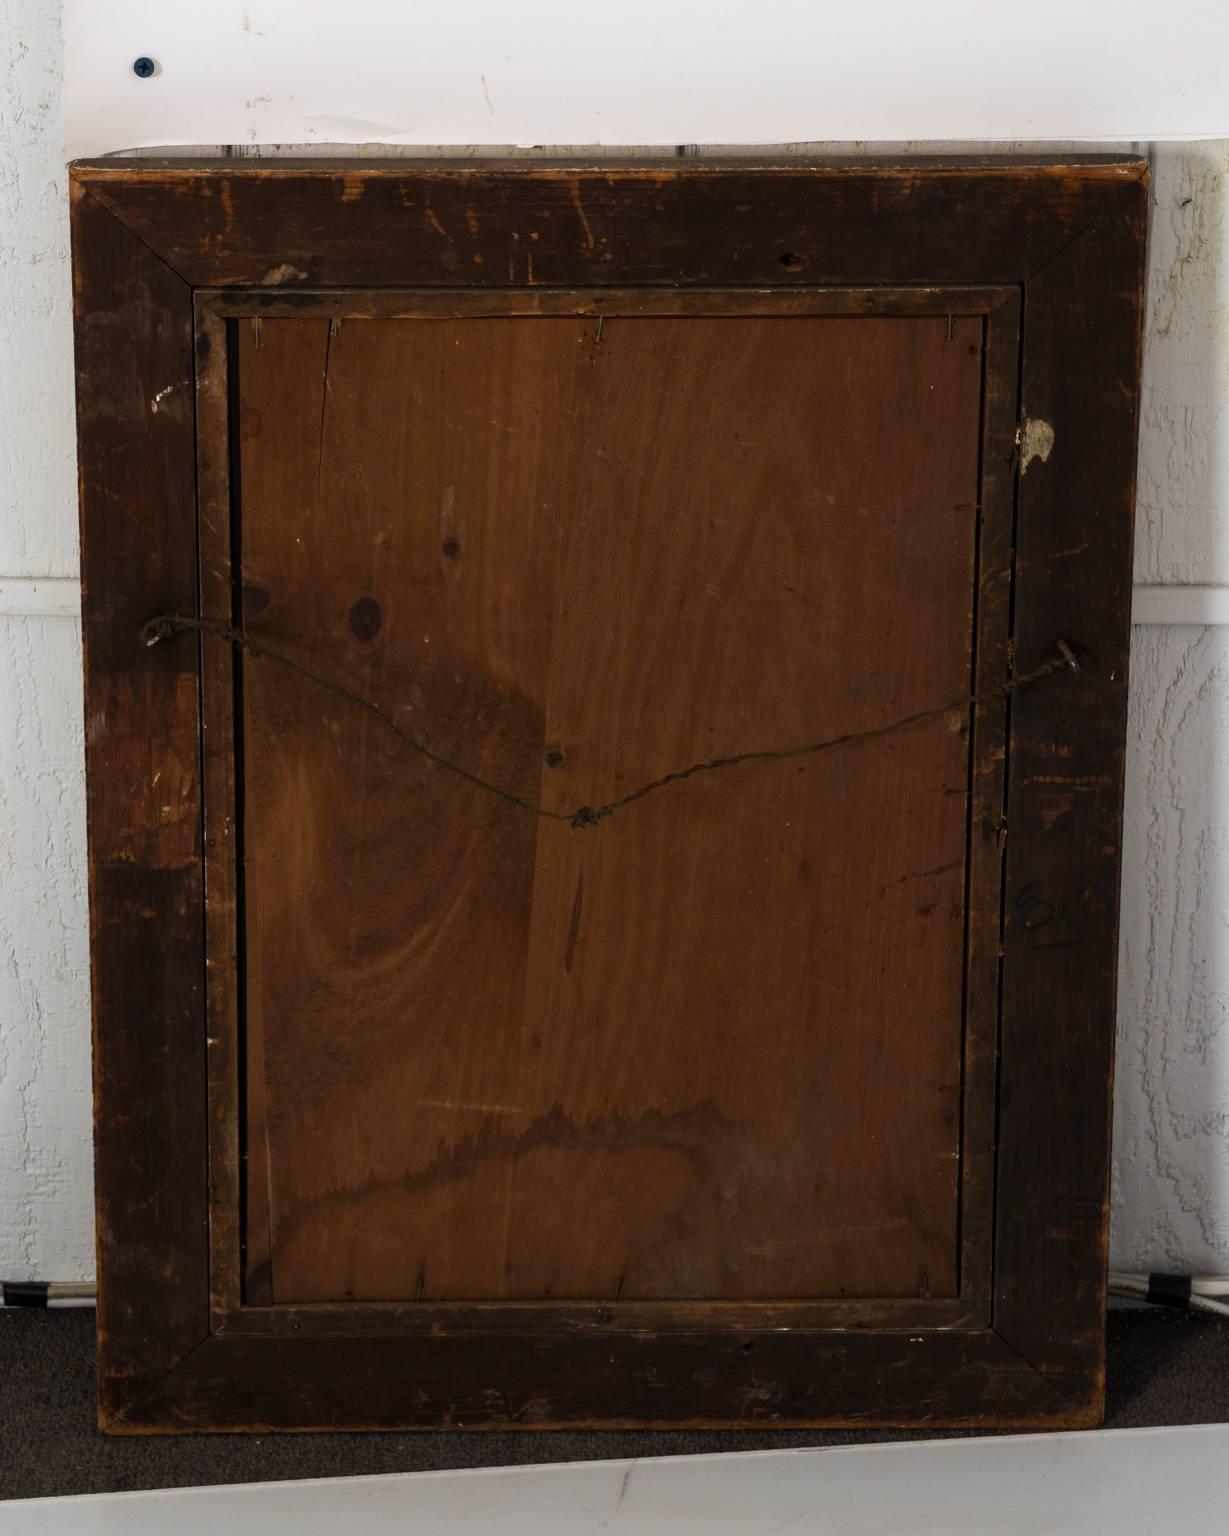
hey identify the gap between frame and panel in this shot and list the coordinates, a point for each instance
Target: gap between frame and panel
(229, 1107)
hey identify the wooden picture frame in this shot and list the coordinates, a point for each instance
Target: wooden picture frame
(1049, 252)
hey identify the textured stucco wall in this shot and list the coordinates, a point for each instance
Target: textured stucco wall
(1171, 1166)
(1183, 506)
(46, 1224)
(1171, 1122)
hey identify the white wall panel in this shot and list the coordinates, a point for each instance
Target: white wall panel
(1171, 1102)
(46, 1167)
(1183, 509)
(38, 475)
(644, 72)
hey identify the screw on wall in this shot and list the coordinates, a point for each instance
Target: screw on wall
(144, 67)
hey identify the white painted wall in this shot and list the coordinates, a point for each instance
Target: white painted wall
(650, 72)
(1171, 1167)
(1171, 1123)
(46, 1224)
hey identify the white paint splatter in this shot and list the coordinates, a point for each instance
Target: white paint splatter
(1036, 441)
(163, 393)
(283, 273)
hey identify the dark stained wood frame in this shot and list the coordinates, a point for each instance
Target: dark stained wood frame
(164, 250)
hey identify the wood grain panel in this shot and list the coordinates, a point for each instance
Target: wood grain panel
(767, 961)
(401, 494)
(509, 1059)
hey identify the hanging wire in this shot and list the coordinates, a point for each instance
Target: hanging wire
(165, 625)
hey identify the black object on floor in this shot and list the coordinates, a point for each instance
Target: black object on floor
(1164, 1368)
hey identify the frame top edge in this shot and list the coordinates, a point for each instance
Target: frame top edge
(132, 169)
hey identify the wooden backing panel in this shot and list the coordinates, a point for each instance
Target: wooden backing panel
(1001, 368)
(401, 489)
(1073, 575)
(135, 452)
(498, 224)
(766, 1100)
(765, 1381)
(370, 1235)
(288, 382)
